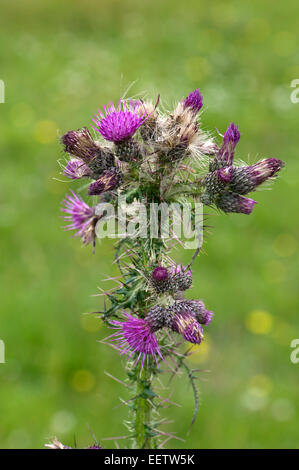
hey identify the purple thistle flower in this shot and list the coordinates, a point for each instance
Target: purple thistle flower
(76, 169)
(230, 140)
(184, 323)
(160, 273)
(194, 101)
(233, 202)
(180, 269)
(121, 122)
(160, 279)
(246, 178)
(80, 143)
(136, 335)
(181, 277)
(82, 218)
(197, 309)
(158, 317)
(109, 180)
(225, 174)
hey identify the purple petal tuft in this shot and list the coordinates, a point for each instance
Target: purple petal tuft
(121, 122)
(194, 101)
(136, 336)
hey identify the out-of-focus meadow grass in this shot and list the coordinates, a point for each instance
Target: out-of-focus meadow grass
(60, 61)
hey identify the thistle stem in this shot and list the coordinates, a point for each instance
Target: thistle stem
(143, 410)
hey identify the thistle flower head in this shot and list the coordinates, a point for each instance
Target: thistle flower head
(225, 174)
(181, 277)
(232, 134)
(230, 140)
(150, 128)
(81, 216)
(233, 202)
(265, 169)
(80, 144)
(76, 169)
(194, 101)
(180, 269)
(128, 150)
(121, 122)
(160, 273)
(160, 279)
(136, 335)
(109, 180)
(158, 317)
(197, 309)
(184, 323)
(215, 182)
(245, 179)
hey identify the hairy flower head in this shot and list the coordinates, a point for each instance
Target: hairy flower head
(184, 323)
(160, 273)
(80, 144)
(232, 202)
(181, 277)
(230, 140)
(180, 269)
(246, 178)
(81, 216)
(119, 122)
(197, 309)
(160, 279)
(109, 180)
(76, 169)
(136, 335)
(194, 101)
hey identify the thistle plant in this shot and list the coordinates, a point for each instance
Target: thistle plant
(135, 151)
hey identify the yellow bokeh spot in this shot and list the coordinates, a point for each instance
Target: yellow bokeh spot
(259, 322)
(197, 68)
(83, 381)
(90, 323)
(45, 132)
(274, 271)
(200, 352)
(261, 382)
(285, 245)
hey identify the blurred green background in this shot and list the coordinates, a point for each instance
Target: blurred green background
(60, 61)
